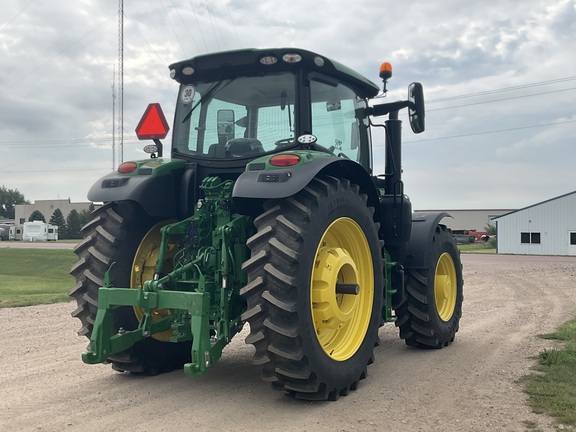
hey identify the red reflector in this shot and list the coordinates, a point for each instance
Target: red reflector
(284, 160)
(153, 124)
(127, 168)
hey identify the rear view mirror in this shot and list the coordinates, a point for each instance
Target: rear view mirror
(416, 107)
(225, 120)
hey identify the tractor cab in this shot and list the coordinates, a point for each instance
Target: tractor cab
(240, 105)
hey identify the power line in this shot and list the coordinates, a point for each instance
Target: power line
(16, 16)
(504, 89)
(68, 142)
(504, 99)
(158, 62)
(199, 26)
(23, 77)
(172, 27)
(374, 146)
(212, 23)
(184, 24)
(219, 27)
(488, 132)
(232, 21)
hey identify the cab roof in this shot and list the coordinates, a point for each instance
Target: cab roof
(246, 62)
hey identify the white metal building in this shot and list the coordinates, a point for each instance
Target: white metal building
(546, 228)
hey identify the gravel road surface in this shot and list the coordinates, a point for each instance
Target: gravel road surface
(469, 386)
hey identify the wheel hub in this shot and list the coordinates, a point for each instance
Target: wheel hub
(342, 289)
(334, 266)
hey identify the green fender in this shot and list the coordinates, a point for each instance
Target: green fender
(423, 228)
(153, 184)
(262, 180)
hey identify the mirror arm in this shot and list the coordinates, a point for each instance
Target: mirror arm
(387, 108)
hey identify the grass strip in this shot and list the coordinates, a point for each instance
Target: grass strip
(35, 276)
(479, 247)
(552, 389)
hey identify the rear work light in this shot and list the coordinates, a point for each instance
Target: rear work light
(284, 160)
(292, 58)
(127, 167)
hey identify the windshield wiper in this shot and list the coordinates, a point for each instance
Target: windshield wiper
(211, 91)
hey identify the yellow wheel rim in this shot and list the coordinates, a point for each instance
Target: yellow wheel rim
(445, 287)
(341, 320)
(143, 270)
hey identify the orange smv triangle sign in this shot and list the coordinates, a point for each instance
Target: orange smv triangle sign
(153, 124)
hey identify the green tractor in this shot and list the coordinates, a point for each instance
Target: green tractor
(267, 213)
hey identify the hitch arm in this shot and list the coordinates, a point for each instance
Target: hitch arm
(197, 304)
(102, 344)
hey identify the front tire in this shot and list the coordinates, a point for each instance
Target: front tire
(119, 232)
(430, 316)
(311, 341)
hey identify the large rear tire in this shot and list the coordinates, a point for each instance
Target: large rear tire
(311, 341)
(119, 232)
(430, 316)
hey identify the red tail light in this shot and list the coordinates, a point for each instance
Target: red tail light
(284, 160)
(127, 168)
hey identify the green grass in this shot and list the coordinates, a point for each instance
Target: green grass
(35, 276)
(479, 247)
(552, 390)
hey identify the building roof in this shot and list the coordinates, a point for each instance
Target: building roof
(534, 205)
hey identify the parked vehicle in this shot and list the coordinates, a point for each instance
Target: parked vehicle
(470, 236)
(15, 232)
(4, 232)
(39, 231)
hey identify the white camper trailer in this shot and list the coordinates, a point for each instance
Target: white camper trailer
(16, 232)
(52, 233)
(39, 231)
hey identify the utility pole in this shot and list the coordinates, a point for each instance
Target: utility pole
(121, 78)
(114, 119)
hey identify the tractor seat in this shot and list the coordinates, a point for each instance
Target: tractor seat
(244, 147)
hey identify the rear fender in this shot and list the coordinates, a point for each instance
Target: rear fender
(423, 228)
(154, 184)
(262, 181)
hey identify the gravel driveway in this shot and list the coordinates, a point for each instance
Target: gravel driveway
(469, 386)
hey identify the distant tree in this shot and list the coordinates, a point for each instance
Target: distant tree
(490, 229)
(36, 216)
(74, 224)
(57, 219)
(86, 214)
(8, 199)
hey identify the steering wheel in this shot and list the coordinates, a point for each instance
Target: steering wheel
(284, 142)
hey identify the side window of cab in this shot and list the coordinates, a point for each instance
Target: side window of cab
(334, 122)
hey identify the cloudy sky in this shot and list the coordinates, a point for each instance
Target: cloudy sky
(499, 81)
